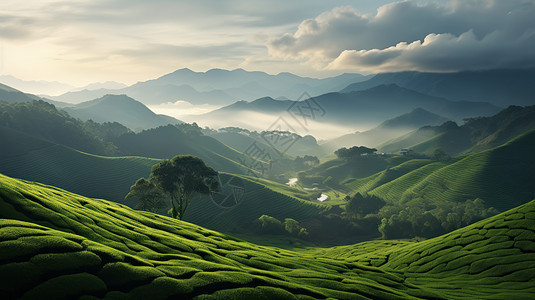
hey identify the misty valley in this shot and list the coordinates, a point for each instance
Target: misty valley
(267, 150)
(441, 191)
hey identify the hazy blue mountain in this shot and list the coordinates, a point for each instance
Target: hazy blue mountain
(387, 130)
(122, 109)
(364, 107)
(475, 135)
(217, 86)
(110, 85)
(11, 95)
(36, 87)
(499, 87)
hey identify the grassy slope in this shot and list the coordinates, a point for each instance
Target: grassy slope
(500, 176)
(91, 175)
(61, 245)
(111, 178)
(55, 244)
(259, 198)
(486, 259)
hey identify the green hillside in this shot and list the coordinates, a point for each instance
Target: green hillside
(500, 176)
(31, 158)
(277, 143)
(168, 141)
(69, 246)
(483, 260)
(43, 120)
(111, 177)
(260, 197)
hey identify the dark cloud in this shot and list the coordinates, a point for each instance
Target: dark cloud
(458, 35)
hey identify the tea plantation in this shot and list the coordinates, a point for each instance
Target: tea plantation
(55, 244)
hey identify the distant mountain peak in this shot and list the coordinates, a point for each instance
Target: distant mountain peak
(388, 86)
(416, 118)
(264, 100)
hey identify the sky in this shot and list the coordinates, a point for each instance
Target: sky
(85, 41)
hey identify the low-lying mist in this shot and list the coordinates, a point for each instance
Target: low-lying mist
(256, 121)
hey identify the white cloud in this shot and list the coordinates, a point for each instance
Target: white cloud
(458, 35)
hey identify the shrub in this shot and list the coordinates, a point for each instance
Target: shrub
(269, 225)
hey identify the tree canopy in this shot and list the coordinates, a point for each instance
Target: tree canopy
(149, 197)
(354, 151)
(183, 177)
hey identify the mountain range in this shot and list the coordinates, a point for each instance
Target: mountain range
(353, 109)
(217, 86)
(499, 87)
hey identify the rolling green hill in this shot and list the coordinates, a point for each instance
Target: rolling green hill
(484, 258)
(43, 120)
(501, 176)
(31, 158)
(59, 245)
(111, 177)
(260, 197)
(168, 141)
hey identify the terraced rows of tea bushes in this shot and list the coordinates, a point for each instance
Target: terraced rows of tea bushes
(55, 244)
(493, 258)
(499, 176)
(389, 175)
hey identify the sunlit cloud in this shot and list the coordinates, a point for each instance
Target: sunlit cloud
(456, 35)
(80, 42)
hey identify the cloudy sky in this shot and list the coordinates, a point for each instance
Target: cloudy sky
(85, 41)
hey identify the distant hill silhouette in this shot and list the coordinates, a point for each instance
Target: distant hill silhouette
(365, 107)
(475, 135)
(219, 87)
(499, 87)
(387, 130)
(120, 108)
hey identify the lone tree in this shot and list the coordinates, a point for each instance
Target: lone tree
(181, 178)
(149, 197)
